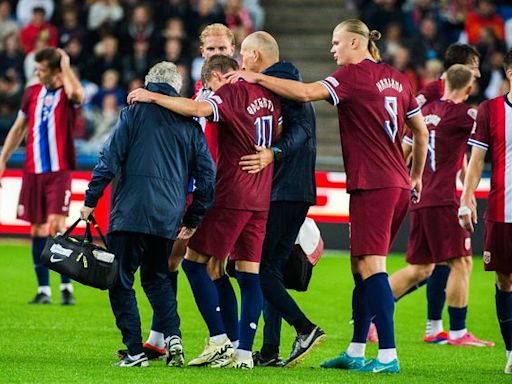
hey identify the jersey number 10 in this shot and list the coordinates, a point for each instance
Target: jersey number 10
(263, 127)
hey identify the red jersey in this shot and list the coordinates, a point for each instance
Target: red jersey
(50, 118)
(247, 115)
(449, 126)
(374, 100)
(494, 132)
(209, 128)
(432, 92)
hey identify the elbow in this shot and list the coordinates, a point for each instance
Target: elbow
(306, 96)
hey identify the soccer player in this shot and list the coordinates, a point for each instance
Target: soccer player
(293, 192)
(248, 115)
(374, 101)
(435, 234)
(47, 117)
(493, 134)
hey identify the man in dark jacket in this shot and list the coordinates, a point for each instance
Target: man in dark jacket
(293, 192)
(154, 152)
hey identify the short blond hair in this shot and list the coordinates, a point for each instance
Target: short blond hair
(264, 42)
(458, 77)
(216, 29)
(360, 28)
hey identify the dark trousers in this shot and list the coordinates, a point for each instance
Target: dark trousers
(150, 253)
(283, 225)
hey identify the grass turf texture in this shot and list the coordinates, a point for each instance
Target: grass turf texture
(56, 344)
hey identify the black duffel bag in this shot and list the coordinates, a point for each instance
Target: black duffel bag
(81, 259)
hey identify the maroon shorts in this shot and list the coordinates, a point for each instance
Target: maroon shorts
(225, 230)
(375, 218)
(44, 194)
(498, 247)
(436, 236)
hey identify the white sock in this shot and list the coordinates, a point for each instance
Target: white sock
(136, 357)
(235, 343)
(457, 334)
(434, 327)
(156, 339)
(508, 354)
(218, 338)
(356, 349)
(242, 354)
(386, 355)
(66, 286)
(45, 289)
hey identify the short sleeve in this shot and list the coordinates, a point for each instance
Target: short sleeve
(221, 102)
(480, 135)
(413, 107)
(429, 94)
(338, 84)
(25, 101)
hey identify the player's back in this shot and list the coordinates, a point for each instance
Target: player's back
(248, 115)
(449, 126)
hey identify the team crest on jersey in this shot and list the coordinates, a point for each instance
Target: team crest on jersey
(21, 210)
(487, 257)
(472, 112)
(467, 243)
(48, 100)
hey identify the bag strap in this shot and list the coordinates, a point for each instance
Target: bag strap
(97, 227)
(70, 229)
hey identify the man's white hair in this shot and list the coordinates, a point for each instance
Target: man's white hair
(164, 72)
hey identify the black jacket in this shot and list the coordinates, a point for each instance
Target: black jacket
(155, 152)
(294, 173)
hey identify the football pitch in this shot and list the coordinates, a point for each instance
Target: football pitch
(55, 344)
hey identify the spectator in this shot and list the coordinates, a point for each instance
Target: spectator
(104, 12)
(106, 57)
(110, 86)
(25, 7)
(104, 120)
(11, 91)
(206, 12)
(428, 45)
(71, 27)
(77, 55)
(401, 60)
(29, 65)
(139, 28)
(12, 57)
(173, 51)
(495, 76)
(174, 29)
(380, 13)
(137, 63)
(484, 16)
(453, 14)
(7, 25)
(392, 41)
(238, 20)
(508, 33)
(38, 28)
(416, 11)
(171, 9)
(433, 70)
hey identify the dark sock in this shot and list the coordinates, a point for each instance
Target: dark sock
(156, 325)
(436, 295)
(205, 294)
(457, 318)
(228, 307)
(303, 326)
(504, 312)
(412, 289)
(42, 273)
(269, 350)
(360, 311)
(252, 304)
(382, 306)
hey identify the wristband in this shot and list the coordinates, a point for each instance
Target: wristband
(278, 153)
(464, 211)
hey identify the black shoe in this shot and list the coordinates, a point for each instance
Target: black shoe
(129, 362)
(66, 297)
(153, 353)
(41, 298)
(303, 344)
(263, 361)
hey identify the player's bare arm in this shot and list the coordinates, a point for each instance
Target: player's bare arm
(290, 89)
(181, 105)
(419, 150)
(12, 141)
(72, 86)
(467, 211)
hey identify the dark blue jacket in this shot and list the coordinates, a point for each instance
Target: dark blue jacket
(155, 152)
(294, 173)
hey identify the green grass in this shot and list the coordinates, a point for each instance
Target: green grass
(55, 344)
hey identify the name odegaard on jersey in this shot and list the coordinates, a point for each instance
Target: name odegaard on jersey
(259, 103)
(386, 83)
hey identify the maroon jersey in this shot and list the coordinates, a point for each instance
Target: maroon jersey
(374, 100)
(247, 115)
(432, 92)
(449, 126)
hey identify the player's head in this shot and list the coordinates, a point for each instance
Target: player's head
(216, 39)
(507, 65)
(259, 50)
(214, 68)
(352, 41)
(47, 63)
(463, 54)
(459, 79)
(164, 72)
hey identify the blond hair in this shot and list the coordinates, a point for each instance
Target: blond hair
(216, 29)
(358, 27)
(263, 42)
(458, 77)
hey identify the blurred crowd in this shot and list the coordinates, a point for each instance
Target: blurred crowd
(112, 44)
(416, 34)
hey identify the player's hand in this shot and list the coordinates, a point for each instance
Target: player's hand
(85, 212)
(186, 233)
(139, 95)
(234, 76)
(416, 187)
(2, 170)
(65, 61)
(255, 163)
(467, 214)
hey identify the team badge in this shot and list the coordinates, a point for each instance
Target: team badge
(487, 257)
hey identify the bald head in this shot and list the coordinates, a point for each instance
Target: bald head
(259, 50)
